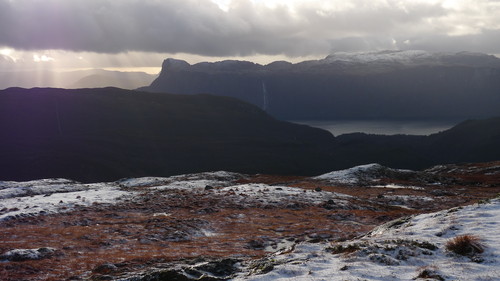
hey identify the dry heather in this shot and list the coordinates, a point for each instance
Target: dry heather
(465, 245)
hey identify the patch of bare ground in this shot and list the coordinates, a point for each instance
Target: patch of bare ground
(161, 226)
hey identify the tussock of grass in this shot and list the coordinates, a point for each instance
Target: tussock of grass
(465, 245)
(429, 272)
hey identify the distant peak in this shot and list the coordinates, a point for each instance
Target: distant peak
(227, 65)
(171, 63)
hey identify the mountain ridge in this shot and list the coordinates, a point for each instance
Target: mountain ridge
(90, 78)
(364, 86)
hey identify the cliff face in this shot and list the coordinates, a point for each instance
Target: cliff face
(391, 85)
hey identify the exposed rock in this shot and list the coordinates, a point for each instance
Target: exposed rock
(105, 268)
(28, 254)
(257, 244)
(211, 270)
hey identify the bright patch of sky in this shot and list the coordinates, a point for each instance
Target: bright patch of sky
(42, 58)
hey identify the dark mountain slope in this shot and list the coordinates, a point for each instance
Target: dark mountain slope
(469, 141)
(109, 133)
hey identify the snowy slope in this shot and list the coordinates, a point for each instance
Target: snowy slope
(361, 174)
(406, 57)
(412, 58)
(21, 199)
(399, 250)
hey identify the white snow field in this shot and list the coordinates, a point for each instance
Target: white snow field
(21, 199)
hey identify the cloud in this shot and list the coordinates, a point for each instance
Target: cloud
(245, 27)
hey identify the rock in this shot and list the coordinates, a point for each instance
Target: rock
(170, 274)
(439, 192)
(262, 266)
(201, 271)
(28, 254)
(177, 236)
(105, 268)
(221, 268)
(257, 244)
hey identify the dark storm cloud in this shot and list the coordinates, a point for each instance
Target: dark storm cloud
(246, 28)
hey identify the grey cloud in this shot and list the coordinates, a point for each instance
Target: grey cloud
(488, 42)
(201, 27)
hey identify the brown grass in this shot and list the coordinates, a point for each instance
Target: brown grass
(429, 272)
(465, 245)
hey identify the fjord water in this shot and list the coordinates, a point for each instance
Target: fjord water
(382, 127)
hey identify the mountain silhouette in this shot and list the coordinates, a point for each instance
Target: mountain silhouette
(380, 85)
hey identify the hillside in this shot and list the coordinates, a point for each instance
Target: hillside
(108, 133)
(379, 85)
(105, 134)
(468, 141)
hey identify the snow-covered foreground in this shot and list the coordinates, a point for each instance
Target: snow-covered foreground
(399, 250)
(230, 222)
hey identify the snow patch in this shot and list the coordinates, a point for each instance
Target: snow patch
(267, 194)
(142, 182)
(20, 199)
(405, 57)
(349, 176)
(188, 181)
(361, 174)
(397, 186)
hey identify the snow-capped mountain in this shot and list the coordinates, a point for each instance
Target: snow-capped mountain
(415, 58)
(390, 58)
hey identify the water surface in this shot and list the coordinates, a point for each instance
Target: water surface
(382, 127)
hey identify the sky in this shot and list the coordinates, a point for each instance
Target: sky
(140, 34)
